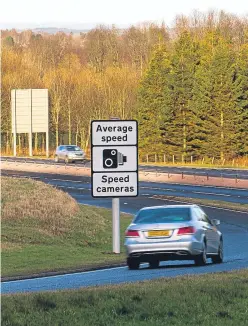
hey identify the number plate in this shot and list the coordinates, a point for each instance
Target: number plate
(160, 233)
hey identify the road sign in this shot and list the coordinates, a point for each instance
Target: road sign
(114, 158)
(29, 108)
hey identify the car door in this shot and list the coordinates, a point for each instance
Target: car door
(206, 228)
(211, 233)
(61, 152)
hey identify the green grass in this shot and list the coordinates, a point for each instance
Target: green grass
(44, 229)
(29, 249)
(207, 300)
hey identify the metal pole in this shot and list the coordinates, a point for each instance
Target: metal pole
(14, 134)
(116, 224)
(30, 131)
(116, 219)
(14, 141)
(47, 144)
(30, 144)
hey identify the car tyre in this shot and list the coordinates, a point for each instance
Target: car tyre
(56, 159)
(154, 263)
(133, 263)
(201, 260)
(218, 259)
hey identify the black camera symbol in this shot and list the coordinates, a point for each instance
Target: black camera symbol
(112, 158)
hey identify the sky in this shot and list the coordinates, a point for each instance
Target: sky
(76, 13)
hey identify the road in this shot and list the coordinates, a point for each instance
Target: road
(234, 226)
(79, 188)
(211, 172)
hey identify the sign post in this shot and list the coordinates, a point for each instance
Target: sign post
(114, 165)
(116, 225)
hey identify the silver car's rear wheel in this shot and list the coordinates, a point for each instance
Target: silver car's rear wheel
(218, 259)
(201, 260)
(133, 263)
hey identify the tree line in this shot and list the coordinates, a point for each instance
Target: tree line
(187, 85)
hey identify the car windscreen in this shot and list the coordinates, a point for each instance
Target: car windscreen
(163, 215)
(73, 148)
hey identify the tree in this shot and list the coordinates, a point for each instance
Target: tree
(241, 98)
(185, 59)
(152, 101)
(9, 41)
(69, 69)
(224, 127)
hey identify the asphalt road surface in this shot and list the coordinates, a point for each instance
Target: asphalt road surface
(211, 172)
(80, 189)
(234, 226)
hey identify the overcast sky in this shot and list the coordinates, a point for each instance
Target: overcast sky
(71, 13)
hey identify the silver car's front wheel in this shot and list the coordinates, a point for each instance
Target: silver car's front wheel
(201, 260)
(56, 159)
(218, 259)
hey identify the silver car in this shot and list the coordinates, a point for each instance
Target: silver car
(69, 153)
(173, 232)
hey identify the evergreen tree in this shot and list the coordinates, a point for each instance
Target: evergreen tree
(152, 101)
(223, 112)
(241, 98)
(185, 58)
(202, 103)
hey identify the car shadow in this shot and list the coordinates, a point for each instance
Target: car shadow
(167, 266)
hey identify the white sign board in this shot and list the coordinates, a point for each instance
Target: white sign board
(29, 110)
(114, 158)
(118, 184)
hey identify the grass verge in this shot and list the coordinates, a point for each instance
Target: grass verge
(210, 300)
(45, 230)
(207, 202)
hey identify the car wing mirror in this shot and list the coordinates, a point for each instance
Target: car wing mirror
(215, 222)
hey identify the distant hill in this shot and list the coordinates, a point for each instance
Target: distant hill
(54, 30)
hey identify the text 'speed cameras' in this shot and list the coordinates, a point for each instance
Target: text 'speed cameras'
(112, 158)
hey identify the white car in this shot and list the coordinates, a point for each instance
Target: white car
(69, 153)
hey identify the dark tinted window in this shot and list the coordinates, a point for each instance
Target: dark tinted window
(163, 215)
(73, 148)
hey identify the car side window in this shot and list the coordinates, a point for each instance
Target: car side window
(198, 214)
(206, 219)
(202, 216)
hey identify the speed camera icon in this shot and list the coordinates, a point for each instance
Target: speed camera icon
(112, 158)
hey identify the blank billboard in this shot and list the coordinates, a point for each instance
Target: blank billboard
(29, 110)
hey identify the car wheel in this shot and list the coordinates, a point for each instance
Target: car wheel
(67, 160)
(133, 263)
(201, 260)
(218, 259)
(154, 263)
(56, 159)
